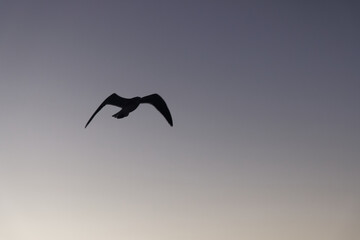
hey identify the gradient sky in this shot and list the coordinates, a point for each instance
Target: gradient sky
(265, 101)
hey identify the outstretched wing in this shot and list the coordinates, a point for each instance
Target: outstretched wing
(159, 104)
(114, 100)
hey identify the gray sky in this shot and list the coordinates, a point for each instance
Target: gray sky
(264, 97)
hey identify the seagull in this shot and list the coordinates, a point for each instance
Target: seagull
(128, 105)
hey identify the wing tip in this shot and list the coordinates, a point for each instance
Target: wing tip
(170, 121)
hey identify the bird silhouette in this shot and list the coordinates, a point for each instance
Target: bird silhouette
(128, 105)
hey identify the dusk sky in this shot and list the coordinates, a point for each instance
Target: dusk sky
(265, 101)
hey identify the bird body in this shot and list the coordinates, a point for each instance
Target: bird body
(128, 105)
